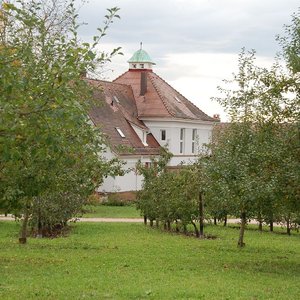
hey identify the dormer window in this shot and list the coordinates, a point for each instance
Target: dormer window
(177, 99)
(120, 132)
(144, 138)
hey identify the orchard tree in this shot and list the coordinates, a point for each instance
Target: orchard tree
(50, 153)
(173, 196)
(256, 158)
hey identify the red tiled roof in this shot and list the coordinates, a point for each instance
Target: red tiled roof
(115, 108)
(121, 105)
(161, 100)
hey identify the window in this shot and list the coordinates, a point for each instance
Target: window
(163, 134)
(194, 137)
(120, 132)
(149, 165)
(182, 131)
(142, 66)
(177, 99)
(116, 99)
(134, 66)
(144, 138)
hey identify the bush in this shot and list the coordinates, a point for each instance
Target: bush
(117, 200)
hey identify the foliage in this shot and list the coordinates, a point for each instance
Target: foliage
(255, 168)
(50, 158)
(171, 196)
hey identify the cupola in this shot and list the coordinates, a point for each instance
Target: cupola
(140, 60)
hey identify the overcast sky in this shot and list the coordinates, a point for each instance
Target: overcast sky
(195, 43)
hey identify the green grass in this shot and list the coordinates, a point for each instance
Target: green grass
(129, 261)
(105, 211)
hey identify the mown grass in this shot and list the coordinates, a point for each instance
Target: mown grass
(106, 211)
(130, 261)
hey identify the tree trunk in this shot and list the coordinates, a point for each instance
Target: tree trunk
(177, 227)
(271, 225)
(288, 226)
(165, 225)
(215, 220)
(201, 214)
(196, 229)
(260, 227)
(242, 230)
(271, 222)
(40, 229)
(184, 229)
(157, 223)
(151, 222)
(168, 225)
(225, 220)
(145, 220)
(259, 219)
(23, 232)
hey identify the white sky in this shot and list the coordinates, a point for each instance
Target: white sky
(195, 43)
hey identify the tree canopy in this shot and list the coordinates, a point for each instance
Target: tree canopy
(50, 152)
(255, 157)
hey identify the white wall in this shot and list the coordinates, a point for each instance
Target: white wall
(173, 138)
(131, 181)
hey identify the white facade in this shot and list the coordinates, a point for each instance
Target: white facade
(131, 181)
(185, 139)
(184, 147)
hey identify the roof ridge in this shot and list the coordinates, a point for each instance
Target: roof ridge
(119, 77)
(160, 96)
(108, 82)
(187, 100)
(96, 79)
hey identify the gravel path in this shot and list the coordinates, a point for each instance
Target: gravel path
(119, 220)
(111, 220)
(129, 220)
(95, 220)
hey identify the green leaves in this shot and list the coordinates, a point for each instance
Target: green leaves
(254, 156)
(49, 154)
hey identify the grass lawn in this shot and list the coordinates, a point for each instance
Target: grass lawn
(129, 261)
(105, 211)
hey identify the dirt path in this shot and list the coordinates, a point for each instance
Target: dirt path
(95, 220)
(111, 220)
(119, 220)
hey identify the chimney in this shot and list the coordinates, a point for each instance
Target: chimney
(143, 83)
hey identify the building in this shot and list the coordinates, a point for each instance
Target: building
(141, 112)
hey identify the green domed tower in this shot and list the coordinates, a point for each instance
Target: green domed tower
(140, 60)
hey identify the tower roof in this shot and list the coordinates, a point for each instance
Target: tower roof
(141, 56)
(161, 100)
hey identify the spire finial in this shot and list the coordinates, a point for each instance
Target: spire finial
(141, 45)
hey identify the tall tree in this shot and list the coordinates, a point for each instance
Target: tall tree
(49, 150)
(256, 159)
